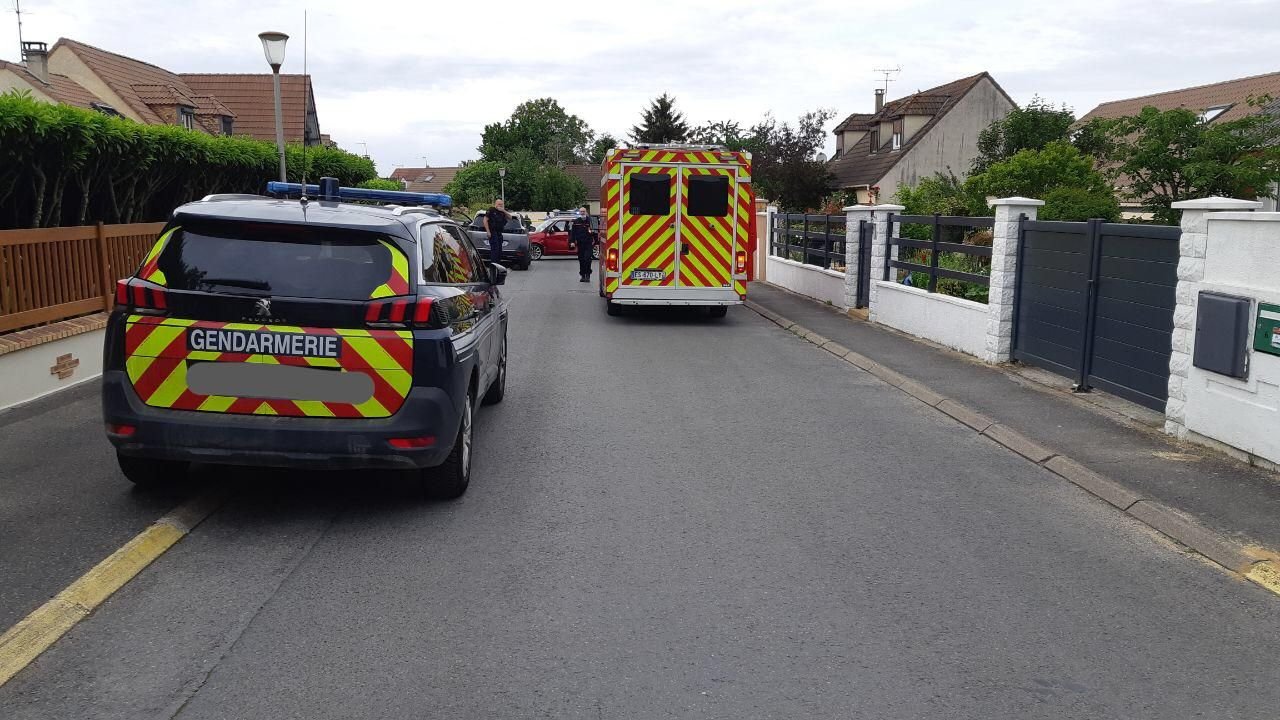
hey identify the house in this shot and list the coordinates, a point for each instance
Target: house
(1218, 102)
(252, 98)
(34, 78)
(914, 137)
(590, 176)
(424, 179)
(137, 90)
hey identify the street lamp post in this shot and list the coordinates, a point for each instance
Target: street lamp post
(502, 178)
(273, 46)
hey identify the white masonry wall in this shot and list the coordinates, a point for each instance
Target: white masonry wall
(815, 282)
(1235, 253)
(955, 322)
(27, 374)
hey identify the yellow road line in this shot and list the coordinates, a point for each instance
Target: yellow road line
(37, 632)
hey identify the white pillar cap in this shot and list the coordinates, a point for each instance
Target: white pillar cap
(857, 208)
(891, 208)
(1217, 203)
(1029, 202)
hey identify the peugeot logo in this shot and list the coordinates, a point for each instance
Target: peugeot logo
(263, 307)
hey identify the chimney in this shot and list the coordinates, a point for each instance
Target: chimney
(36, 56)
(879, 99)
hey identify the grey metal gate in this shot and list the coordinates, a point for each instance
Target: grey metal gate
(1094, 301)
(866, 233)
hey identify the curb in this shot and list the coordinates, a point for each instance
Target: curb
(37, 632)
(1259, 567)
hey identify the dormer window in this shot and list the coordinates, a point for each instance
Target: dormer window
(1211, 114)
(105, 109)
(875, 139)
(226, 125)
(897, 134)
(187, 117)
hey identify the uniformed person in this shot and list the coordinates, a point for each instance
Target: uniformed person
(580, 235)
(495, 219)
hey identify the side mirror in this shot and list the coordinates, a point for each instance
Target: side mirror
(497, 274)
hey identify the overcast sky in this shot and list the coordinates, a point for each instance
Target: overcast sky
(423, 78)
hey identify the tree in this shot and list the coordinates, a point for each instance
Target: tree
(1163, 156)
(542, 128)
(941, 194)
(784, 165)
(602, 145)
(1028, 128)
(1035, 173)
(661, 123)
(530, 185)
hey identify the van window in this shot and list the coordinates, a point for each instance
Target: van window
(708, 195)
(650, 194)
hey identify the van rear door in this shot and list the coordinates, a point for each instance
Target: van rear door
(708, 227)
(649, 217)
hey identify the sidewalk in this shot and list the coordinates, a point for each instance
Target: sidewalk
(1238, 501)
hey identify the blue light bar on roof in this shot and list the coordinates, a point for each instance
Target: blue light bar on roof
(397, 197)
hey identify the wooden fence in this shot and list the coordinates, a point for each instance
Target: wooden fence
(51, 274)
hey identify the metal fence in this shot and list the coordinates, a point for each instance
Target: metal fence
(51, 274)
(949, 237)
(811, 239)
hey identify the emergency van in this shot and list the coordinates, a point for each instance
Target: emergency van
(678, 227)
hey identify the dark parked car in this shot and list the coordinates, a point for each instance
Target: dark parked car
(515, 240)
(323, 335)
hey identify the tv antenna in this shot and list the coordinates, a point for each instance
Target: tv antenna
(887, 72)
(17, 10)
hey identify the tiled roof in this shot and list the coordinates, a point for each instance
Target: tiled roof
(407, 173)
(210, 105)
(252, 98)
(133, 80)
(859, 166)
(1231, 92)
(590, 176)
(431, 179)
(856, 121)
(60, 87)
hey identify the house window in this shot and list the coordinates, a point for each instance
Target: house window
(897, 134)
(875, 139)
(105, 109)
(187, 118)
(1212, 113)
(226, 125)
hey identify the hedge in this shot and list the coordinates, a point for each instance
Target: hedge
(61, 165)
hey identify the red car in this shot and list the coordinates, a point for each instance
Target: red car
(551, 237)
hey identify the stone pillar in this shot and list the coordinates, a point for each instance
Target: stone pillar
(854, 215)
(1191, 256)
(1004, 268)
(879, 258)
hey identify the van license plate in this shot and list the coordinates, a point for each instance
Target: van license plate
(648, 274)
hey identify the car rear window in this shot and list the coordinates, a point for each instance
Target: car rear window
(275, 259)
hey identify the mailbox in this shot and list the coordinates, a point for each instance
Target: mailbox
(1222, 334)
(1266, 332)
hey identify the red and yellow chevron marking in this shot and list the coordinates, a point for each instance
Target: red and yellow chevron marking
(611, 195)
(398, 282)
(157, 357)
(708, 262)
(683, 157)
(648, 241)
(745, 208)
(150, 269)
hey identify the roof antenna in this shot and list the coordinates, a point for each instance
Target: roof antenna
(884, 71)
(306, 101)
(17, 9)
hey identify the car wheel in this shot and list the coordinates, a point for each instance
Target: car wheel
(595, 252)
(718, 311)
(535, 252)
(146, 472)
(450, 479)
(498, 389)
(612, 308)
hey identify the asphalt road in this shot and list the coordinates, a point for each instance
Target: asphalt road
(670, 517)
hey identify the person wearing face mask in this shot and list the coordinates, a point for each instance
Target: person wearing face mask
(580, 236)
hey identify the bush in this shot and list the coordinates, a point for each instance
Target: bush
(61, 165)
(381, 184)
(1071, 203)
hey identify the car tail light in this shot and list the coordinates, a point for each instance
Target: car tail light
(741, 261)
(142, 297)
(412, 443)
(121, 430)
(611, 260)
(401, 312)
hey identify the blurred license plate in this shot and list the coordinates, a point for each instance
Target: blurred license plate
(648, 274)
